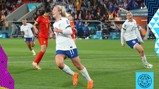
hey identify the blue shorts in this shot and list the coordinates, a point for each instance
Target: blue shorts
(69, 53)
(29, 39)
(131, 43)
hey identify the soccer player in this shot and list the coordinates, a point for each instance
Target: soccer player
(44, 29)
(130, 33)
(70, 18)
(28, 35)
(65, 46)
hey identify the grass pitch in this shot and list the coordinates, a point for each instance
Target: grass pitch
(110, 65)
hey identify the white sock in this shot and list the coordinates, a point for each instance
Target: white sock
(144, 61)
(33, 51)
(85, 74)
(68, 70)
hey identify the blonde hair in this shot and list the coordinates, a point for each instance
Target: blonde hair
(62, 9)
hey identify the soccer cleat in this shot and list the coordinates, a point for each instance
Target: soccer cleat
(148, 65)
(35, 65)
(90, 84)
(75, 79)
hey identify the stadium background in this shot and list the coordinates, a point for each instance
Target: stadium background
(110, 65)
(95, 19)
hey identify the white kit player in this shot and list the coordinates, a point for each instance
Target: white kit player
(65, 46)
(130, 33)
(28, 35)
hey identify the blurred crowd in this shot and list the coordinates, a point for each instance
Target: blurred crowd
(99, 10)
(93, 9)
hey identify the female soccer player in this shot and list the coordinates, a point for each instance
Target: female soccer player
(44, 29)
(28, 35)
(130, 33)
(65, 46)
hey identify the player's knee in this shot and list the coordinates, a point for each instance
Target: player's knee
(141, 52)
(43, 49)
(33, 45)
(60, 65)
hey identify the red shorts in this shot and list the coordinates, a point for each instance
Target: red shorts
(43, 41)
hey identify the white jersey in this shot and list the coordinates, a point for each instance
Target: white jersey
(27, 30)
(63, 41)
(130, 31)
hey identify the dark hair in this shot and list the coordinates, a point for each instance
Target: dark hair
(45, 11)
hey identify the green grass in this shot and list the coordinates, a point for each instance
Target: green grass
(110, 65)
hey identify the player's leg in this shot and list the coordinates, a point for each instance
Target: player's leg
(140, 50)
(32, 42)
(59, 58)
(73, 54)
(83, 70)
(44, 44)
(32, 45)
(28, 44)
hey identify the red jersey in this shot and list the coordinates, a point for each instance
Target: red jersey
(73, 30)
(44, 25)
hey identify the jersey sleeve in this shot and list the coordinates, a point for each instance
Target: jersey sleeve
(124, 26)
(66, 23)
(67, 28)
(38, 19)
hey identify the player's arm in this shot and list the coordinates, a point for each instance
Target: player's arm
(35, 28)
(122, 34)
(122, 9)
(67, 28)
(52, 36)
(122, 37)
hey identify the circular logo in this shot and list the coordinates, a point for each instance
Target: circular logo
(144, 81)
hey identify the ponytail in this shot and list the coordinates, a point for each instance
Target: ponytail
(62, 9)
